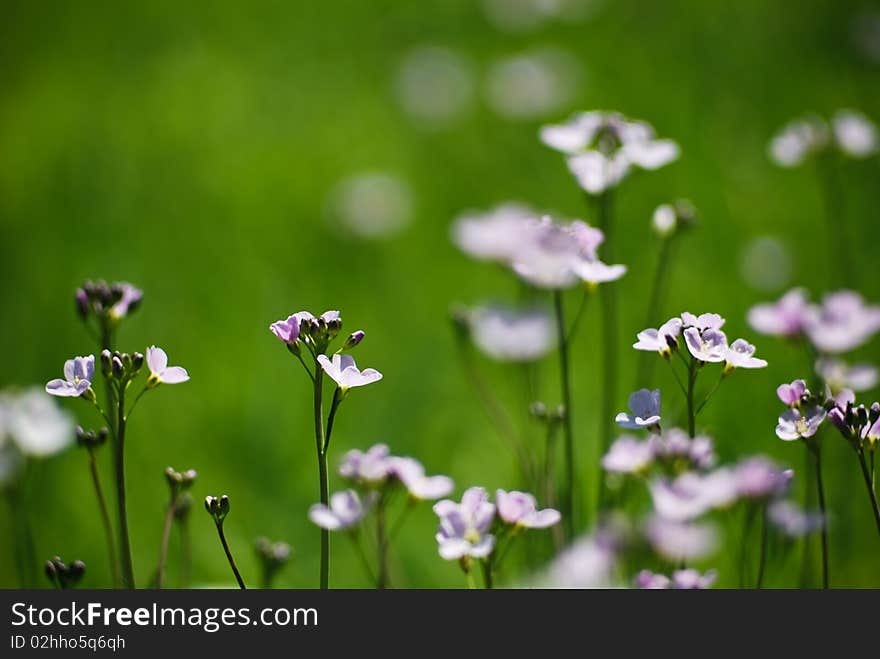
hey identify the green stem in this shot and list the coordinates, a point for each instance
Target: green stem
(743, 551)
(762, 561)
(381, 547)
(568, 435)
(692, 414)
(487, 573)
(105, 518)
(185, 552)
(322, 475)
(359, 550)
(119, 465)
(711, 393)
(820, 492)
(646, 361)
(334, 406)
(229, 556)
(163, 547)
(675, 375)
(868, 483)
(609, 337)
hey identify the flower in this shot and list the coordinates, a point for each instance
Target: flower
(710, 345)
(792, 520)
(344, 371)
(798, 140)
(464, 527)
(793, 424)
(368, 468)
(678, 541)
(345, 511)
(411, 473)
(628, 455)
(34, 423)
(160, 371)
(286, 330)
(520, 509)
(842, 404)
(691, 495)
(686, 579)
(791, 394)
(843, 322)
(78, 375)
(645, 407)
(705, 321)
(668, 219)
(587, 563)
(511, 335)
(597, 272)
(760, 478)
(660, 340)
(647, 580)
(854, 134)
(740, 355)
(494, 235)
(839, 375)
(675, 446)
(785, 317)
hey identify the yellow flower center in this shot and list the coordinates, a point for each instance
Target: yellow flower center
(801, 426)
(472, 536)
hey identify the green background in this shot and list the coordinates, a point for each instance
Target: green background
(190, 148)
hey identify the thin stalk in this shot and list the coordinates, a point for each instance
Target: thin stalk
(163, 547)
(119, 465)
(646, 361)
(105, 518)
(762, 561)
(609, 337)
(675, 375)
(381, 547)
(711, 393)
(487, 573)
(185, 552)
(359, 550)
(868, 483)
(469, 575)
(692, 414)
(22, 562)
(743, 551)
(565, 383)
(820, 492)
(323, 482)
(229, 556)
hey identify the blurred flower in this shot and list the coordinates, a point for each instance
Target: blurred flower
(760, 478)
(793, 424)
(687, 579)
(740, 354)
(628, 455)
(798, 140)
(792, 520)
(520, 509)
(661, 339)
(843, 322)
(791, 394)
(160, 372)
(511, 335)
(371, 205)
(78, 375)
(765, 263)
(645, 407)
(531, 84)
(130, 298)
(434, 85)
(783, 318)
(343, 370)
(681, 541)
(411, 473)
(675, 446)
(528, 15)
(841, 407)
(345, 511)
(839, 375)
(589, 562)
(854, 133)
(493, 235)
(669, 219)
(707, 346)
(597, 272)
(34, 424)
(370, 468)
(647, 580)
(464, 527)
(690, 495)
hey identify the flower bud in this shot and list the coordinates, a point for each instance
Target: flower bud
(82, 303)
(182, 506)
(106, 363)
(538, 410)
(126, 361)
(81, 436)
(353, 339)
(137, 361)
(118, 368)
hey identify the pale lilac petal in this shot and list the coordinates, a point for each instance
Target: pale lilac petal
(174, 375)
(321, 515)
(70, 370)
(484, 547)
(452, 549)
(59, 387)
(157, 360)
(542, 519)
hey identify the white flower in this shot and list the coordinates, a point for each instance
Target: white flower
(495, 235)
(597, 272)
(707, 346)
(854, 133)
(78, 375)
(664, 220)
(36, 425)
(160, 371)
(411, 473)
(511, 335)
(345, 511)
(645, 407)
(659, 340)
(367, 468)
(344, 371)
(797, 140)
(839, 375)
(740, 354)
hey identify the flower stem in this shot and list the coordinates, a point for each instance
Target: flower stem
(487, 573)
(869, 485)
(609, 337)
(163, 547)
(646, 361)
(105, 518)
(185, 552)
(119, 465)
(692, 412)
(762, 561)
(566, 418)
(820, 492)
(359, 550)
(710, 394)
(229, 556)
(381, 547)
(322, 475)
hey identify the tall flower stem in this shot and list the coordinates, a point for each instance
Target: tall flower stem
(322, 474)
(381, 547)
(869, 484)
(820, 492)
(646, 361)
(692, 412)
(763, 556)
(487, 573)
(119, 466)
(185, 552)
(229, 555)
(609, 337)
(565, 383)
(105, 518)
(163, 547)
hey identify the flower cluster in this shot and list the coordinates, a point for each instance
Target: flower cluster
(850, 132)
(510, 335)
(376, 469)
(672, 452)
(108, 303)
(687, 579)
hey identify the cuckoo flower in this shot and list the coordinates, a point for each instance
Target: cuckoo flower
(160, 371)
(785, 317)
(710, 345)
(662, 340)
(798, 140)
(760, 478)
(628, 455)
(34, 423)
(464, 527)
(800, 424)
(78, 375)
(681, 541)
(344, 512)
(854, 134)
(843, 322)
(495, 235)
(520, 509)
(740, 354)
(705, 321)
(839, 375)
(411, 473)
(645, 407)
(343, 370)
(370, 468)
(792, 520)
(792, 394)
(676, 448)
(510, 335)
(130, 298)
(690, 494)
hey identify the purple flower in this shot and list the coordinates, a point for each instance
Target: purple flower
(791, 394)
(354, 339)
(647, 580)
(520, 509)
(344, 371)
(160, 371)
(842, 323)
(842, 403)
(705, 321)
(839, 375)
(411, 473)
(597, 272)
(370, 468)
(495, 235)
(759, 478)
(675, 446)
(661, 339)
(464, 527)
(690, 579)
(628, 455)
(785, 317)
(645, 407)
(710, 345)
(792, 520)
(78, 375)
(131, 298)
(691, 495)
(794, 424)
(345, 511)
(510, 335)
(289, 330)
(740, 354)
(678, 541)
(587, 563)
